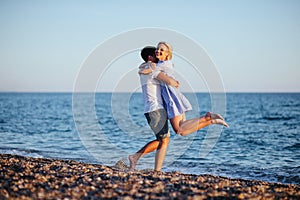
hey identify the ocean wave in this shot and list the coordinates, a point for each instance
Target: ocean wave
(277, 117)
(21, 152)
(293, 147)
(282, 174)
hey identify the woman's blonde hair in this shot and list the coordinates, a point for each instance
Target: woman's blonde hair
(170, 48)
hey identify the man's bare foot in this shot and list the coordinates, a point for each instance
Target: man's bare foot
(133, 161)
(211, 115)
(219, 121)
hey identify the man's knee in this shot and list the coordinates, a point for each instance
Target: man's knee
(164, 141)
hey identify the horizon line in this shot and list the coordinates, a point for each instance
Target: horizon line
(88, 92)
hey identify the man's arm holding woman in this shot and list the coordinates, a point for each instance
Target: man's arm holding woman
(150, 67)
(167, 79)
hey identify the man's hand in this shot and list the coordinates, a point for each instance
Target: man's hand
(176, 84)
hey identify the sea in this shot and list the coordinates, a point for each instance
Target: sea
(262, 142)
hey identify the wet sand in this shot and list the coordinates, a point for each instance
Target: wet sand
(27, 178)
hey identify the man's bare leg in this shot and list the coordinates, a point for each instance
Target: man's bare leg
(161, 153)
(133, 159)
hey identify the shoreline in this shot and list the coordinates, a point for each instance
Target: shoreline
(41, 178)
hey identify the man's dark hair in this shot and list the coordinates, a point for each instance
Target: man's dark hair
(147, 51)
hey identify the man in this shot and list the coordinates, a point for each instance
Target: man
(154, 110)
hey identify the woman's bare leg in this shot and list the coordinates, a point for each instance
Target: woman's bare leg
(210, 115)
(184, 128)
(179, 123)
(176, 122)
(190, 126)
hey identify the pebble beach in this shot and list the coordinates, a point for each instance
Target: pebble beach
(40, 178)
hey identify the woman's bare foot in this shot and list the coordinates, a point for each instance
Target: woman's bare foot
(219, 121)
(133, 161)
(211, 115)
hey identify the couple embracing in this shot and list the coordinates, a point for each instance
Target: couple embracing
(163, 101)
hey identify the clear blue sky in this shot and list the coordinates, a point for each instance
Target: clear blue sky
(255, 44)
